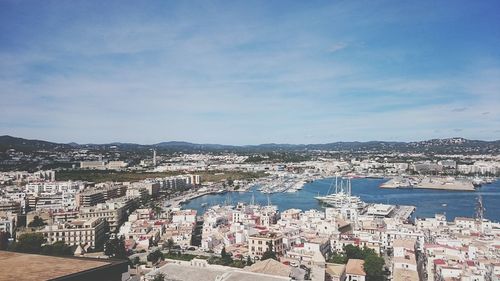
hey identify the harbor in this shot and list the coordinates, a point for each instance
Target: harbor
(427, 202)
(428, 182)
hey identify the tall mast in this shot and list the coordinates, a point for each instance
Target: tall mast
(336, 185)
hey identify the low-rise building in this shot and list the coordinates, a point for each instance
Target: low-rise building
(259, 243)
(91, 232)
(354, 270)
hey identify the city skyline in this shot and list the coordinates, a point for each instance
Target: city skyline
(249, 73)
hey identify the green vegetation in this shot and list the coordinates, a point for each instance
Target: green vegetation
(115, 248)
(275, 157)
(374, 265)
(155, 256)
(4, 240)
(32, 243)
(135, 261)
(36, 222)
(107, 175)
(169, 244)
(225, 257)
(269, 253)
(227, 260)
(374, 268)
(57, 249)
(29, 243)
(124, 176)
(179, 256)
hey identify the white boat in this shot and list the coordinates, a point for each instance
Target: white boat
(342, 197)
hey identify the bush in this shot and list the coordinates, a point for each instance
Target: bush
(155, 256)
(36, 222)
(29, 243)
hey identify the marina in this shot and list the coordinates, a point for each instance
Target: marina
(427, 202)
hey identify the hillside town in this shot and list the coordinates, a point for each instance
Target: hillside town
(145, 222)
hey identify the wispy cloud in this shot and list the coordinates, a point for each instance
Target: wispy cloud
(337, 47)
(248, 75)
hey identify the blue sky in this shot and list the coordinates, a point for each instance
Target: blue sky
(249, 72)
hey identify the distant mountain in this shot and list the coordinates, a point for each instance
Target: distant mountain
(8, 142)
(449, 145)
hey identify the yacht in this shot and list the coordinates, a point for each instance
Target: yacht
(342, 198)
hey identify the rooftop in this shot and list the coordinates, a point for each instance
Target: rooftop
(355, 267)
(271, 235)
(271, 267)
(194, 273)
(19, 266)
(334, 269)
(405, 275)
(405, 243)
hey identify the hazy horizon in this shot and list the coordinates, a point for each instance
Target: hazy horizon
(229, 144)
(244, 73)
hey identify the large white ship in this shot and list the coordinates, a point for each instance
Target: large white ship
(341, 197)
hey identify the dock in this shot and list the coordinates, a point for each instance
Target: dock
(439, 183)
(403, 212)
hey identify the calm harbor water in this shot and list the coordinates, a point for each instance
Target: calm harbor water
(428, 202)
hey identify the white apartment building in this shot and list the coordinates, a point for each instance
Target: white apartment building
(89, 232)
(113, 211)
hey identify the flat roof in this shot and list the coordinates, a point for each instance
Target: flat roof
(194, 273)
(405, 275)
(20, 266)
(355, 267)
(405, 243)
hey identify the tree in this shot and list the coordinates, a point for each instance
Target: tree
(269, 253)
(249, 261)
(170, 244)
(155, 256)
(4, 240)
(115, 248)
(353, 252)
(337, 258)
(59, 248)
(157, 210)
(374, 268)
(225, 257)
(29, 243)
(145, 199)
(36, 222)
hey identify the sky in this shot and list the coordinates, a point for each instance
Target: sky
(249, 72)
